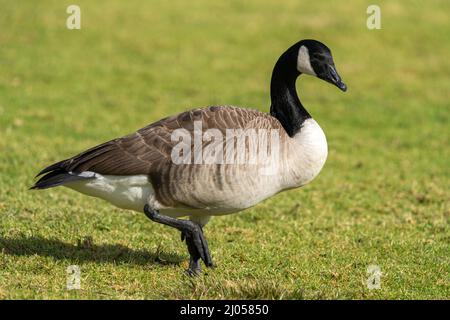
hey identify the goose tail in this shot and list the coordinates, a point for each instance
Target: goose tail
(55, 175)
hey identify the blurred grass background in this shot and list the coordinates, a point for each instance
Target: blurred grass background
(382, 198)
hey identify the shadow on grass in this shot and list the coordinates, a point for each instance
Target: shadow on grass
(85, 251)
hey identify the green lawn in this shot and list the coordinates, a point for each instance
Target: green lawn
(382, 198)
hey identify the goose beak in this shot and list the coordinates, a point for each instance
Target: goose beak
(335, 79)
(341, 86)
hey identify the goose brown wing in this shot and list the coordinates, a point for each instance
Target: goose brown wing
(151, 146)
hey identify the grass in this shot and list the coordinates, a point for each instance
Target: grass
(382, 198)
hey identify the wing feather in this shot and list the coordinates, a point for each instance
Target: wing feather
(149, 148)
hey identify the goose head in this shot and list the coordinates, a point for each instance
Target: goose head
(314, 58)
(306, 56)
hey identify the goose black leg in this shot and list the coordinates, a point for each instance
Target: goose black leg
(192, 233)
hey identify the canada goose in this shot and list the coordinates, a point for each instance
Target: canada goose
(139, 171)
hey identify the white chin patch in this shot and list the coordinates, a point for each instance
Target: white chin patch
(303, 61)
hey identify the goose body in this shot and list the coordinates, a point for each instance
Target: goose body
(209, 189)
(162, 169)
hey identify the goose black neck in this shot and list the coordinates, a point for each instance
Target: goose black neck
(286, 105)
